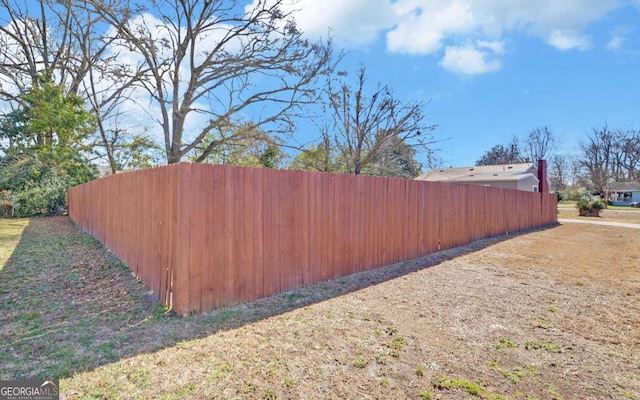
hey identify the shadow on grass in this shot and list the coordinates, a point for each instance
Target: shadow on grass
(68, 305)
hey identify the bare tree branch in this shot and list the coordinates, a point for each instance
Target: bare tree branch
(217, 59)
(363, 126)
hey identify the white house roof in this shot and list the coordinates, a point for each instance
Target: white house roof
(482, 173)
(628, 187)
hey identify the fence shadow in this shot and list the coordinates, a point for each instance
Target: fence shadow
(68, 305)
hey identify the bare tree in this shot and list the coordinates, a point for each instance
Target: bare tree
(362, 126)
(40, 38)
(27, 50)
(558, 171)
(597, 157)
(611, 156)
(107, 86)
(540, 144)
(630, 150)
(217, 60)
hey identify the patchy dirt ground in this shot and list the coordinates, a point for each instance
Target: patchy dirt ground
(553, 313)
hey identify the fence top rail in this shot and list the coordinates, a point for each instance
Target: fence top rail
(187, 166)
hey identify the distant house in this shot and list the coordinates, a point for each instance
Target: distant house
(626, 193)
(525, 176)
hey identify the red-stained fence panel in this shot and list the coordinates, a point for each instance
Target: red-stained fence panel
(203, 236)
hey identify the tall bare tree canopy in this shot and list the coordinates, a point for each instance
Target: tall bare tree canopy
(366, 128)
(610, 156)
(559, 171)
(37, 39)
(539, 144)
(215, 62)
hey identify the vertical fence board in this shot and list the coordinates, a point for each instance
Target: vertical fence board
(238, 243)
(156, 230)
(271, 233)
(135, 228)
(330, 207)
(249, 237)
(258, 234)
(196, 236)
(229, 233)
(384, 232)
(347, 209)
(315, 228)
(302, 228)
(337, 235)
(416, 216)
(217, 246)
(373, 194)
(207, 297)
(145, 233)
(289, 274)
(169, 236)
(324, 220)
(363, 236)
(181, 282)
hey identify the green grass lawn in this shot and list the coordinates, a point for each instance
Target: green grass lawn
(65, 301)
(572, 204)
(623, 208)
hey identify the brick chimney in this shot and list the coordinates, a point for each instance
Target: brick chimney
(543, 185)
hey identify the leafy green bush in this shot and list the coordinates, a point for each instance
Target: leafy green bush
(37, 186)
(590, 208)
(44, 143)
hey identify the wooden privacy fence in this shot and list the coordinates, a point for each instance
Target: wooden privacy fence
(204, 236)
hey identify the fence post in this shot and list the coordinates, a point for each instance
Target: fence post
(181, 262)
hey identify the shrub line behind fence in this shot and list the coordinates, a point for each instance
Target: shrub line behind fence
(205, 236)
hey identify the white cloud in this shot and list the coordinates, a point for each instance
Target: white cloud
(566, 40)
(615, 43)
(425, 27)
(353, 23)
(421, 25)
(423, 30)
(472, 60)
(540, 17)
(495, 47)
(618, 36)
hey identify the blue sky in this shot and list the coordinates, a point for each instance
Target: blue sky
(492, 69)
